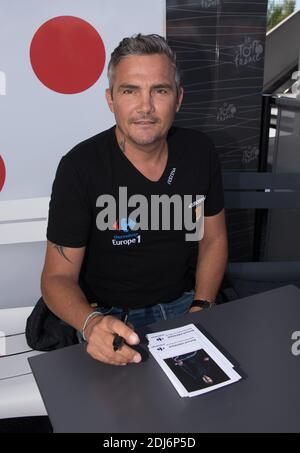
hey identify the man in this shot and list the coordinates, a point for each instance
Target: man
(146, 271)
(194, 365)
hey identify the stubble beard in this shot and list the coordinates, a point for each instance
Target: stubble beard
(147, 139)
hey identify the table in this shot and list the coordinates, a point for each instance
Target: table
(83, 395)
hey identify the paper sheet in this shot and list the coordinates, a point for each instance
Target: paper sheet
(191, 361)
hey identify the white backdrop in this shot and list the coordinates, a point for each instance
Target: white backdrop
(39, 124)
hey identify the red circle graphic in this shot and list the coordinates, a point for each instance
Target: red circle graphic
(2, 173)
(67, 54)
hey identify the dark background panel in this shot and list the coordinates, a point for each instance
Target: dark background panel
(220, 48)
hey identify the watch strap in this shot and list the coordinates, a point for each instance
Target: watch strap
(202, 303)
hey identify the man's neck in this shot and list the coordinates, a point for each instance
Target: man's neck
(151, 154)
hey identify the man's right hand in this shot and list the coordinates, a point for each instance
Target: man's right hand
(64, 297)
(100, 334)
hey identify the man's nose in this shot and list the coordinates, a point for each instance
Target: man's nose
(146, 104)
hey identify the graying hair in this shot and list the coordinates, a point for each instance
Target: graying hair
(142, 45)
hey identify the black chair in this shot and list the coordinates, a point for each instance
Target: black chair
(260, 191)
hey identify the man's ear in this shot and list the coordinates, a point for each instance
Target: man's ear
(109, 99)
(179, 99)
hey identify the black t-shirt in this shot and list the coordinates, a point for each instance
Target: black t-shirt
(125, 267)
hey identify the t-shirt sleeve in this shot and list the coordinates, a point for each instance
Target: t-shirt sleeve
(214, 202)
(69, 216)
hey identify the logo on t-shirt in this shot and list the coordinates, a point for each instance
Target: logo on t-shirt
(199, 204)
(171, 175)
(124, 224)
(199, 200)
(126, 238)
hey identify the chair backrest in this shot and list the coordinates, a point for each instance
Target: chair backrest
(251, 190)
(260, 191)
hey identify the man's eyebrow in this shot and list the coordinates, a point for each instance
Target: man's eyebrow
(163, 85)
(128, 86)
(136, 87)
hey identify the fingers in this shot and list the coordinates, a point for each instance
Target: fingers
(100, 344)
(118, 327)
(108, 355)
(102, 350)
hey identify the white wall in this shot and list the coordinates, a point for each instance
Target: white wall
(39, 124)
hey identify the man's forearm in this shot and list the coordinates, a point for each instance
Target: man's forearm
(211, 264)
(66, 300)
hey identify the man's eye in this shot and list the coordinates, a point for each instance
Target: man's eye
(161, 91)
(127, 91)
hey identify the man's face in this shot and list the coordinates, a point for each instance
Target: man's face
(144, 99)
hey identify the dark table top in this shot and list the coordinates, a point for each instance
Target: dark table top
(83, 395)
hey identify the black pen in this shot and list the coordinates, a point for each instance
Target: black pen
(118, 340)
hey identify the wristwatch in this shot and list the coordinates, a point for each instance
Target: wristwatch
(202, 303)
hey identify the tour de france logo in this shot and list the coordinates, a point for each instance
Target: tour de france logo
(250, 51)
